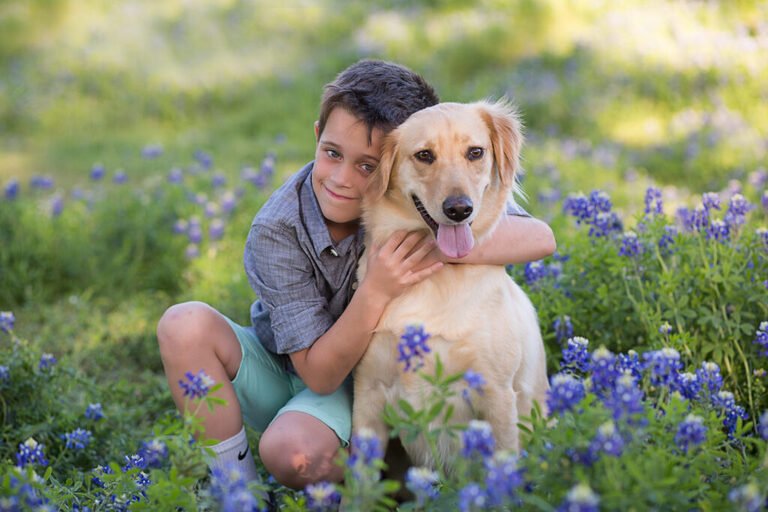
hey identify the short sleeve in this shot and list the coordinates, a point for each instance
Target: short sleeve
(515, 209)
(282, 275)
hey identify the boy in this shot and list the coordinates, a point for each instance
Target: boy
(287, 374)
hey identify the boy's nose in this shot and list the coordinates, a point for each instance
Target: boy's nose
(344, 174)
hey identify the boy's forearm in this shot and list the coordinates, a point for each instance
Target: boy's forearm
(516, 239)
(326, 364)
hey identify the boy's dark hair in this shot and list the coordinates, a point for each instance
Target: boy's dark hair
(380, 94)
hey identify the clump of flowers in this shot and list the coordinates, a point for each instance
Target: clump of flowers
(31, 452)
(94, 412)
(196, 385)
(7, 321)
(322, 497)
(565, 392)
(413, 347)
(78, 439)
(423, 483)
(690, 432)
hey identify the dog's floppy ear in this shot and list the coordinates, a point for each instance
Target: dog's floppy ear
(379, 181)
(506, 133)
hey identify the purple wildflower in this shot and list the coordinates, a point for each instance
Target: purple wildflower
(602, 364)
(196, 386)
(690, 432)
(7, 321)
(204, 159)
(653, 202)
(97, 172)
(216, 229)
(30, 452)
(47, 361)
(761, 338)
(120, 177)
(631, 245)
(475, 382)
(710, 201)
(365, 448)
(5, 373)
(665, 328)
(564, 393)
(626, 398)
(709, 377)
(664, 365)
(563, 328)
(322, 497)
(630, 362)
(747, 498)
(422, 482)
(738, 207)
(413, 347)
(762, 427)
(718, 230)
(576, 354)
(154, 452)
(78, 439)
(478, 439)
(192, 251)
(151, 151)
(667, 239)
(535, 271)
(94, 412)
(175, 176)
(688, 385)
(608, 441)
(581, 498)
(472, 498)
(502, 479)
(12, 189)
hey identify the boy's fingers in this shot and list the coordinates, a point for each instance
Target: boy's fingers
(394, 241)
(408, 244)
(424, 273)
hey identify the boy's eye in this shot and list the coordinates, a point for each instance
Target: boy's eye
(332, 153)
(368, 168)
(475, 153)
(425, 156)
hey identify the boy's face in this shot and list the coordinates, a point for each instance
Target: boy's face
(343, 163)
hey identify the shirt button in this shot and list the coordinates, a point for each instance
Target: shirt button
(354, 285)
(333, 252)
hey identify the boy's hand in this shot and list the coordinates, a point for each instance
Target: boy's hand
(406, 258)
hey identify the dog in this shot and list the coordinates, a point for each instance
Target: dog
(449, 170)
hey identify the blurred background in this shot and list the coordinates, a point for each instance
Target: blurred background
(105, 105)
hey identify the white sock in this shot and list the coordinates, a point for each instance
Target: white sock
(235, 452)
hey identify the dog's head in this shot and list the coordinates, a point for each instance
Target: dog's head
(455, 165)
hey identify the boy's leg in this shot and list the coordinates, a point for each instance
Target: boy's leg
(302, 444)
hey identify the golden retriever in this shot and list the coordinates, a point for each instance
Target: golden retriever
(450, 170)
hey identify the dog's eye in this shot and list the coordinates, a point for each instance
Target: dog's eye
(425, 156)
(475, 153)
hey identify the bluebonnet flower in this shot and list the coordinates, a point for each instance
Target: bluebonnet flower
(228, 202)
(667, 239)
(47, 361)
(630, 362)
(718, 230)
(30, 452)
(690, 432)
(192, 251)
(97, 172)
(153, 452)
(710, 201)
(216, 229)
(603, 367)
(322, 497)
(630, 245)
(94, 412)
(709, 377)
(57, 205)
(412, 347)
(180, 226)
(725, 404)
(694, 220)
(478, 439)
(665, 328)
(218, 180)
(604, 224)
(12, 189)
(664, 365)
(230, 490)
(211, 209)
(563, 328)
(747, 497)
(762, 427)
(204, 159)
(151, 151)
(120, 177)
(762, 235)
(764, 200)
(98, 472)
(761, 338)
(7, 321)
(535, 271)
(608, 441)
(564, 393)
(78, 439)
(738, 207)
(475, 382)
(653, 202)
(594, 210)
(195, 234)
(688, 385)
(423, 483)
(626, 398)
(579, 206)
(5, 374)
(503, 478)
(365, 447)
(196, 386)
(41, 182)
(135, 461)
(600, 201)
(175, 176)
(472, 498)
(581, 498)
(576, 354)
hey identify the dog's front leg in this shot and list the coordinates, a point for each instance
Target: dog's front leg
(367, 409)
(501, 412)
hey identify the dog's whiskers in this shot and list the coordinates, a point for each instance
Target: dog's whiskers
(424, 214)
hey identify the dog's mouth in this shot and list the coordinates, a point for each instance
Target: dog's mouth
(454, 240)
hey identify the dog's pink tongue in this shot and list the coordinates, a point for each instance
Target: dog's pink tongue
(455, 241)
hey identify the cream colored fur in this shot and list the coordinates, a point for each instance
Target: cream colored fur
(478, 318)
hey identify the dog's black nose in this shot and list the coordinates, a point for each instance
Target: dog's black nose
(457, 208)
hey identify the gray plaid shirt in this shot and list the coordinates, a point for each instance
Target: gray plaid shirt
(302, 278)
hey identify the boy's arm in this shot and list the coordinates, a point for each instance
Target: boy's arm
(399, 263)
(516, 239)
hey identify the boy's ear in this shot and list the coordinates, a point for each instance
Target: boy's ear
(317, 132)
(378, 184)
(506, 133)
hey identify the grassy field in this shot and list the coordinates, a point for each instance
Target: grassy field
(615, 96)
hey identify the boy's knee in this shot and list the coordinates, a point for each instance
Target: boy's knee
(184, 325)
(296, 464)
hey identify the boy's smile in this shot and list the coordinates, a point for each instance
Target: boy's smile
(344, 160)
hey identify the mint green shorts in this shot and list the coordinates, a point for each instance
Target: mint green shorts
(266, 390)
